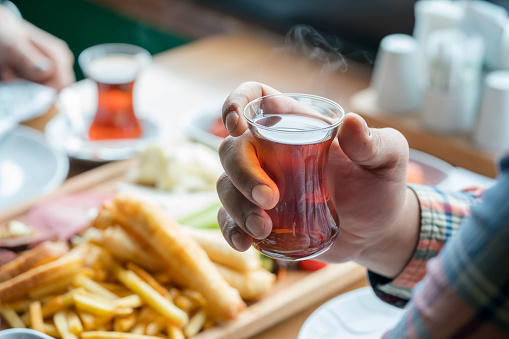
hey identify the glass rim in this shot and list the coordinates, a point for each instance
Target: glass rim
(104, 49)
(301, 95)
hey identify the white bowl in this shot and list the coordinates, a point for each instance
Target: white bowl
(22, 333)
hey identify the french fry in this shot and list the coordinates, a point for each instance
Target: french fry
(180, 252)
(62, 326)
(251, 285)
(154, 328)
(12, 318)
(140, 272)
(20, 305)
(88, 320)
(162, 277)
(36, 321)
(51, 330)
(124, 323)
(44, 253)
(119, 290)
(87, 272)
(195, 295)
(74, 322)
(195, 324)
(122, 310)
(48, 273)
(132, 301)
(123, 247)
(146, 314)
(138, 329)
(115, 335)
(185, 304)
(94, 306)
(81, 281)
(208, 324)
(174, 292)
(60, 302)
(152, 297)
(107, 326)
(174, 332)
(221, 253)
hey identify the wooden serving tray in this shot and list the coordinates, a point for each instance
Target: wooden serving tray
(296, 292)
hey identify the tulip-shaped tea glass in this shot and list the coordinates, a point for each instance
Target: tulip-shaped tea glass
(114, 68)
(292, 136)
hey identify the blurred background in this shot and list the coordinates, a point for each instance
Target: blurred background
(354, 27)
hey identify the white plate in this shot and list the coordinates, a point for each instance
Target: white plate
(29, 166)
(67, 130)
(197, 124)
(22, 100)
(22, 333)
(358, 314)
(436, 171)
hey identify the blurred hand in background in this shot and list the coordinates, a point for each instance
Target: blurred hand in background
(30, 53)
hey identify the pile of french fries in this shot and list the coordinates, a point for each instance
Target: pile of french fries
(133, 274)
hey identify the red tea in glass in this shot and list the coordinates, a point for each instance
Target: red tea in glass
(292, 136)
(114, 68)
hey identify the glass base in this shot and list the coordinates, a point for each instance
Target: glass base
(300, 254)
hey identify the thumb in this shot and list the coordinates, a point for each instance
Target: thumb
(370, 147)
(29, 63)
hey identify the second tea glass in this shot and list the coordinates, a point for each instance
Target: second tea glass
(114, 68)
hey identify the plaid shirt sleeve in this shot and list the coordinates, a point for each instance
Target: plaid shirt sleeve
(441, 215)
(465, 290)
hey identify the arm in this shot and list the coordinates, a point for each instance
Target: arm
(465, 291)
(440, 216)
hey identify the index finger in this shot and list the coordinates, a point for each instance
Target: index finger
(234, 105)
(58, 52)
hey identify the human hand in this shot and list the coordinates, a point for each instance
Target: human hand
(30, 53)
(379, 216)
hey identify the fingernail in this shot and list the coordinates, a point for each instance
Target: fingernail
(231, 120)
(237, 240)
(255, 224)
(43, 65)
(263, 195)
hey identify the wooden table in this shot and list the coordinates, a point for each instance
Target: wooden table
(203, 72)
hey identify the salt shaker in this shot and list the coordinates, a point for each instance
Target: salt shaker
(454, 63)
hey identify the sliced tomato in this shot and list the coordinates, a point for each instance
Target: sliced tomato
(311, 265)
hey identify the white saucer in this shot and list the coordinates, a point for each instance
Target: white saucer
(358, 314)
(60, 135)
(29, 166)
(67, 131)
(22, 100)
